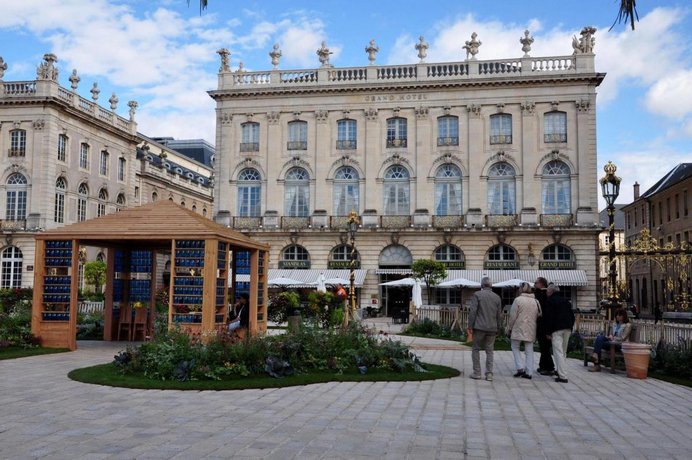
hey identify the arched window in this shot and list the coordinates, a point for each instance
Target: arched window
(556, 188)
(250, 137)
(396, 132)
(396, 191)
(340, 257)
(395, 256)
(448, 130)
(103, 199)
(17, 143)
(297, 135)
(182, 203)
(555, 127)
(557, 257)
(11, 268)
(194, 208)
(204, 212)
(154, 196)
(448, 190)
(346, 134)
(120, 202)
(501, 189)
(501, 128)
(294, 256)
(297, 193)
(451, 256)
(83, 196)
(502, 257)
(16, 197)
(249, 193)
(59, 210)
(346, 191)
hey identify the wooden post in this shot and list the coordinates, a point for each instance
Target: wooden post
(74, 297)
(209, 290)
(108, 295)
(254, 272)
(39, 272)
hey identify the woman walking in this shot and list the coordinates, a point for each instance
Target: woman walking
(522, 329)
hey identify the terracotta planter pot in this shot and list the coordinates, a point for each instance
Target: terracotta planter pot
(636, 359)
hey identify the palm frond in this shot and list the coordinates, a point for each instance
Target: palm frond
(627, 13)
(202, 5)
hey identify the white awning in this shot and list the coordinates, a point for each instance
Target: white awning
(308, 278)
(559, 277)
(393, 271)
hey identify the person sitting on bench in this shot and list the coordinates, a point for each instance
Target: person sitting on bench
(621, 333)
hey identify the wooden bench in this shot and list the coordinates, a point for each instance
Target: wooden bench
(610, 352)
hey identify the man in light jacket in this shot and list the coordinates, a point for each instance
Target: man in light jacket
(485, 320)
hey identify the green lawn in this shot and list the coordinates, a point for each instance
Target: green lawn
(20, 352)
(109, 375)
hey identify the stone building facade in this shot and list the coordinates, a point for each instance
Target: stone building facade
(664, 212)
(488, 166)
(65, 159)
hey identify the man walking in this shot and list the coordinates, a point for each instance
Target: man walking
(545, 364)
(485, 320)
(559, 323)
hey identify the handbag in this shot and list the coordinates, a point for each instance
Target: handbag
(235, 324)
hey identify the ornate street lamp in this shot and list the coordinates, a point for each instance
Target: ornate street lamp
(353, 223)
(610, 188)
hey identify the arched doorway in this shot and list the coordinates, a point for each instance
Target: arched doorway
(395, 263)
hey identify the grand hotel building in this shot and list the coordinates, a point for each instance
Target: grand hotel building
(487, 166)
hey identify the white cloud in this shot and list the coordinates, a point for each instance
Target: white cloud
(671, 96)
(299, 42)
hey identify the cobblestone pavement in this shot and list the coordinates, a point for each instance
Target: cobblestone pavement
(43, 414)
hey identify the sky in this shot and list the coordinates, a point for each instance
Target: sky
(162, 53)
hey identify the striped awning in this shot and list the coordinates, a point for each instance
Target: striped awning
(308, 278)
(559, 277)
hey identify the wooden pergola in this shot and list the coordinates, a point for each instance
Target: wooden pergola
(201, 252)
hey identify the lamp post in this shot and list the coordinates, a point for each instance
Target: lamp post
(352, 229)
(610, 188)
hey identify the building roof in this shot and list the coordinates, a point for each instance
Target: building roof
(173, 167)
(677, 174)
(195, 149)
(155, 223)
(619, 217)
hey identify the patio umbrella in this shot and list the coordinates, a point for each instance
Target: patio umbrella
(417, 294)
(401, 282)
(514, 282)
(283, 282)
(459, 282)
(321, 285)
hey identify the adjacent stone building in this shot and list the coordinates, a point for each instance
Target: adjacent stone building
(663, 211)
(486, 165)
(65, 159)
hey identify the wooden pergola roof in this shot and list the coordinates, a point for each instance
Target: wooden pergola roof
(152, 224)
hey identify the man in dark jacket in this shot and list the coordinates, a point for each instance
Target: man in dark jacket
(485, 320)
(545, 364)
(559, 320)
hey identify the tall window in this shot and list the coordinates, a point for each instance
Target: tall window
(501, 128)
(60, 190)
(249, 193)
(556, 188)
(103, 164)
(103, 199)
(16, 197)
(298, 135)
(340, 257)
(84, 156)
(448, 191)
(448, 130)
(501, 256)
(119, 202)
(501, 189)
(557, 256)
(62, 147)
(250, 137)
(17, 143)
(297, 193)
(396, 191)
(122, 167)
(450, 255)
(294, 256)
(396, 132)
(555, 127)
(83, 195)
(346, 134)
(11, 268)
(345, 193)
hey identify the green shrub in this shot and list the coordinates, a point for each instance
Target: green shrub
(15, 318)
(175, 355)
(430, 328)
(674, 359)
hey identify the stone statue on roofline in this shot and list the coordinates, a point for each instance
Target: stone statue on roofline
(526, 42)
(422, 48)
(472, 46)
(323, 54)
(372, 51)
(225, 56)
(275, 54)
(3, 67)
(586, 43)
(47, 70)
